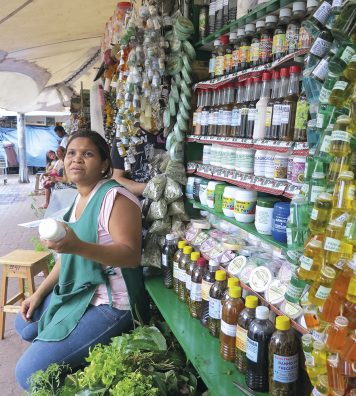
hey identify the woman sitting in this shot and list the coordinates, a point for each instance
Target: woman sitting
(96, 288)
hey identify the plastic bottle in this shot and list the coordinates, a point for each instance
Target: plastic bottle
(336, 381)
(321, 212)
(321, 287)
(236, 111)
(187, 250)
(167, 255)
(341, 137)
(280, 216)
(327, 87)
(341, 91)
(267, 39)
(248, 94)
(350, 304)
(279, 45)
(307, 346)
(336, 167)
(336, 334)
(215, 295)
(231, 282)
(230, 312)
(317, 182)
(341, 59)
(255, 45)
(204, 118)
(232, 10)
(301, 119)
(220, 52)
(196, 301)
(176, 258)
(311, 261)
(292, 35)
(319, 18)
(269, 109)
(51, 230)
(283, 359)
(194, 256)
(321, 386)
(212, 60)
(228, 93)
(350, 71)
(319, 356)
(245, 47)
(207, 281)
(228, 65)
(243, 322)
(252, 111)
(261, 107)
(320, 48)
(344, 194)
(277, 103)
(332, 244)
(258, 337)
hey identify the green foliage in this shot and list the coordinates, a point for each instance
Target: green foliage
(39, 247)
(47, 383)
(135, 384)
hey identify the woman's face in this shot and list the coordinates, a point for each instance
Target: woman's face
(52, 155)
(60, 153)
(82, 163)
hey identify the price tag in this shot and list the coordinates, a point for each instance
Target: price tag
(230, 174)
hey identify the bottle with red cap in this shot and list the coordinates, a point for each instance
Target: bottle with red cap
(196, 301)
(289, 105)
(269, 109)
(236, 110)
(261, 107)
(252, 111)
(245, 106)
(277, 103)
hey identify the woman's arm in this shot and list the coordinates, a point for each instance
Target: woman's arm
(125, 231)
(135, 188)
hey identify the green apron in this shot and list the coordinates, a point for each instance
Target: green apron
(79, 278)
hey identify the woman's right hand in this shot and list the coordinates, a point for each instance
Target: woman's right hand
(29, 305)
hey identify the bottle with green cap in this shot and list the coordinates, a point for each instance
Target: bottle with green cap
(183, 263)
(243, 322)
(215, 295)
(196, 301)
(176, 258)
(188, 275)
(283, 359)
(230, 312)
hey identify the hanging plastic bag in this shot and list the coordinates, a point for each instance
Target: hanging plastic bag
(176, 171)
(157, 210)
(155, 187)
(151, 255)
(172, 191)
(161, 227)
(176, 208)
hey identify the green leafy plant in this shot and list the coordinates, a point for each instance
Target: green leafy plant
(39, 247)
(47, 383)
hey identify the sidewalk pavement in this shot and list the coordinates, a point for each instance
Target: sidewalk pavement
(15, 208)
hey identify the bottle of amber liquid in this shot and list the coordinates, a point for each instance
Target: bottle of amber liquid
(187, 250)
(245, 106)
(243, 322)
(207, 281)
(232, 281)
(211, 119)
(215, 296)
(188, 275)
(333, 235)
(321, 212)
(269, 109)
(277, 103)
(196, 301)
(176, 258)
(230, 312)
(321, 287)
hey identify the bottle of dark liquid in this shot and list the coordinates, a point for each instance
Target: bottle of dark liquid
(320, 48)
(232, 10)
(245, 106)
(267, 39)
(215, 296)
(228, 66)
(225, 12)
(279, 45)
(207, 281)
(220, 109)
(196, 300)
(240, 41)
(228, 92)
(289, 105)
(258, 337)
(176, 258)
(243, 322)
(219, 16)
(244, 52)
(269, 110)
(206, 94)
(236, 110)
(277, 103)
(212, 60)
(211, 125)
(301, 119)
(168, 251)
(187, 250)
(194, 256)
(230, 312)
(212, 7)
(252, 111)
(255, 44)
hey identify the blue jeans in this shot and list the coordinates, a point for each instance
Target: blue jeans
(98, 325)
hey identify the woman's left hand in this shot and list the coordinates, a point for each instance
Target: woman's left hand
(69, 244)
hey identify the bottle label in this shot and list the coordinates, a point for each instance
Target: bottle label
(285, 111)
(216, 117)
(252, 114)
(292, 36)
(323, 12)
(347, 55)
(252, 350)
(212, 65)
(239, 118)
(332, 244)
(294, 292)
(228, 203)
(244, 54)
(214, 308)
(336, 3)
(181, 275)
(304, 38)
(301, 117)
(228, 329)
(276, 118)
(235, 57)
(321, 70)
(211, 118)
(347, 233)
(241, 338)
(314, 214)
(227, 62)
(227, 115)
(306, 262)
(194, 122)
(324, 95)
(196, 291)
(255, 52)
(244, 111)
(268, 121)
(204, 118)
(285, 368)
(315, 191)
(235, 117)
(323, 292)
(243, 207)
(188, 281)
(308, 358)
(319, 120)
(279, 43)
(340, 85)
(265, 47)
(164, 260)
(205, 289)
(175, 270)
(353, 59)
(219, 65)
(341, 136)
(198, 119)
(320, 47)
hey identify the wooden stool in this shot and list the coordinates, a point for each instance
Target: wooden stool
(21, 264)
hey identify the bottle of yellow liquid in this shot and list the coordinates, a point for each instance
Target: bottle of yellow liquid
(350, 229)
(321, 287)
(333, 235)
(188, 275)
(341, 137)
(319, 356)
(350, 71)
(344, 194)
(311, 261)
(321, 387)
(184, 261)
(320, 215)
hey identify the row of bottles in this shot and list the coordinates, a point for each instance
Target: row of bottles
(270, 106)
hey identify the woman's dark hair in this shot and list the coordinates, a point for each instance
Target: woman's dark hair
(100, 143)
(48, 159)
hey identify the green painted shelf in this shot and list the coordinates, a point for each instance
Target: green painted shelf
(200, 347)
(257, 13)
(249, 227)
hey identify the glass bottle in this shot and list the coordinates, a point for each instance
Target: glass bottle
(255, 44)
(319, 18)
(321, 386)
(301, 119)
(205, 111)
(321, 287)
(261, 107)
(344, 25)
(212, 9)
(320, 214)
(197, 114)
(320, 48)
(341, 137)
(317, 183)
(245, 48)
(336, 381)
(336, 7)
(219, 16)
(168, 251)
(216, 112)
(228, 65)
(187, 250)
(207, 281)
(344, 194)
(336, 334)
(252, 111)
(235, 54)
(215, 295)
(243, 322)
(307, 346)
(225, 12)
(230, 312)
(292, 36)
(289, 105)
(305, 41)
(336, 166)
(319, 356)
(340, 92)
(327, 87)
(283, 359)
(221, 108)
(350, 71)
(211, 123)
(227, 109)
(341, 59)
(248, 91)
(176, 258)
(258, 338)
(240, 42)
(277, 103)
(269, 108)
(267, 39)
(188, 275)
(220, 52)
(320, 71)
(236, 110)
(196, 301)
(212, 60)
(333, 235)
(349, 310)
(279, 44)
(311, 261)
(232, 10)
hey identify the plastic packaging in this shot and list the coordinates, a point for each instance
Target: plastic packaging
(264, 213)
(245, 206)
(228, 203)
(211, 193)
(172, 191)
(155, 188)
(51, 230)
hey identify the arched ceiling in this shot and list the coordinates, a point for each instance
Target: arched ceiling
(43, 43)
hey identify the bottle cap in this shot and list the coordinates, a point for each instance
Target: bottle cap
(262, 313)
(260, 24)
(341, 321)
(318, 345)
(235, 292)
(181, 244)
(241, 32)
(329, 272)
(216, 43)
(351, 290)
(250, 28)
(266, 76)
(282, 323)
(271, 19)
(232, 281)
(220, 275)
(295, 69)
(284, 72)
(299, 6)
(312, 3)
(249, 81)
(224, 39)
(170, 237)
(251, 302)
(275, 74)
(201, 262)
(194, 256)
(285, 12)
(213, 263)
(232, 35)
(187, 249)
